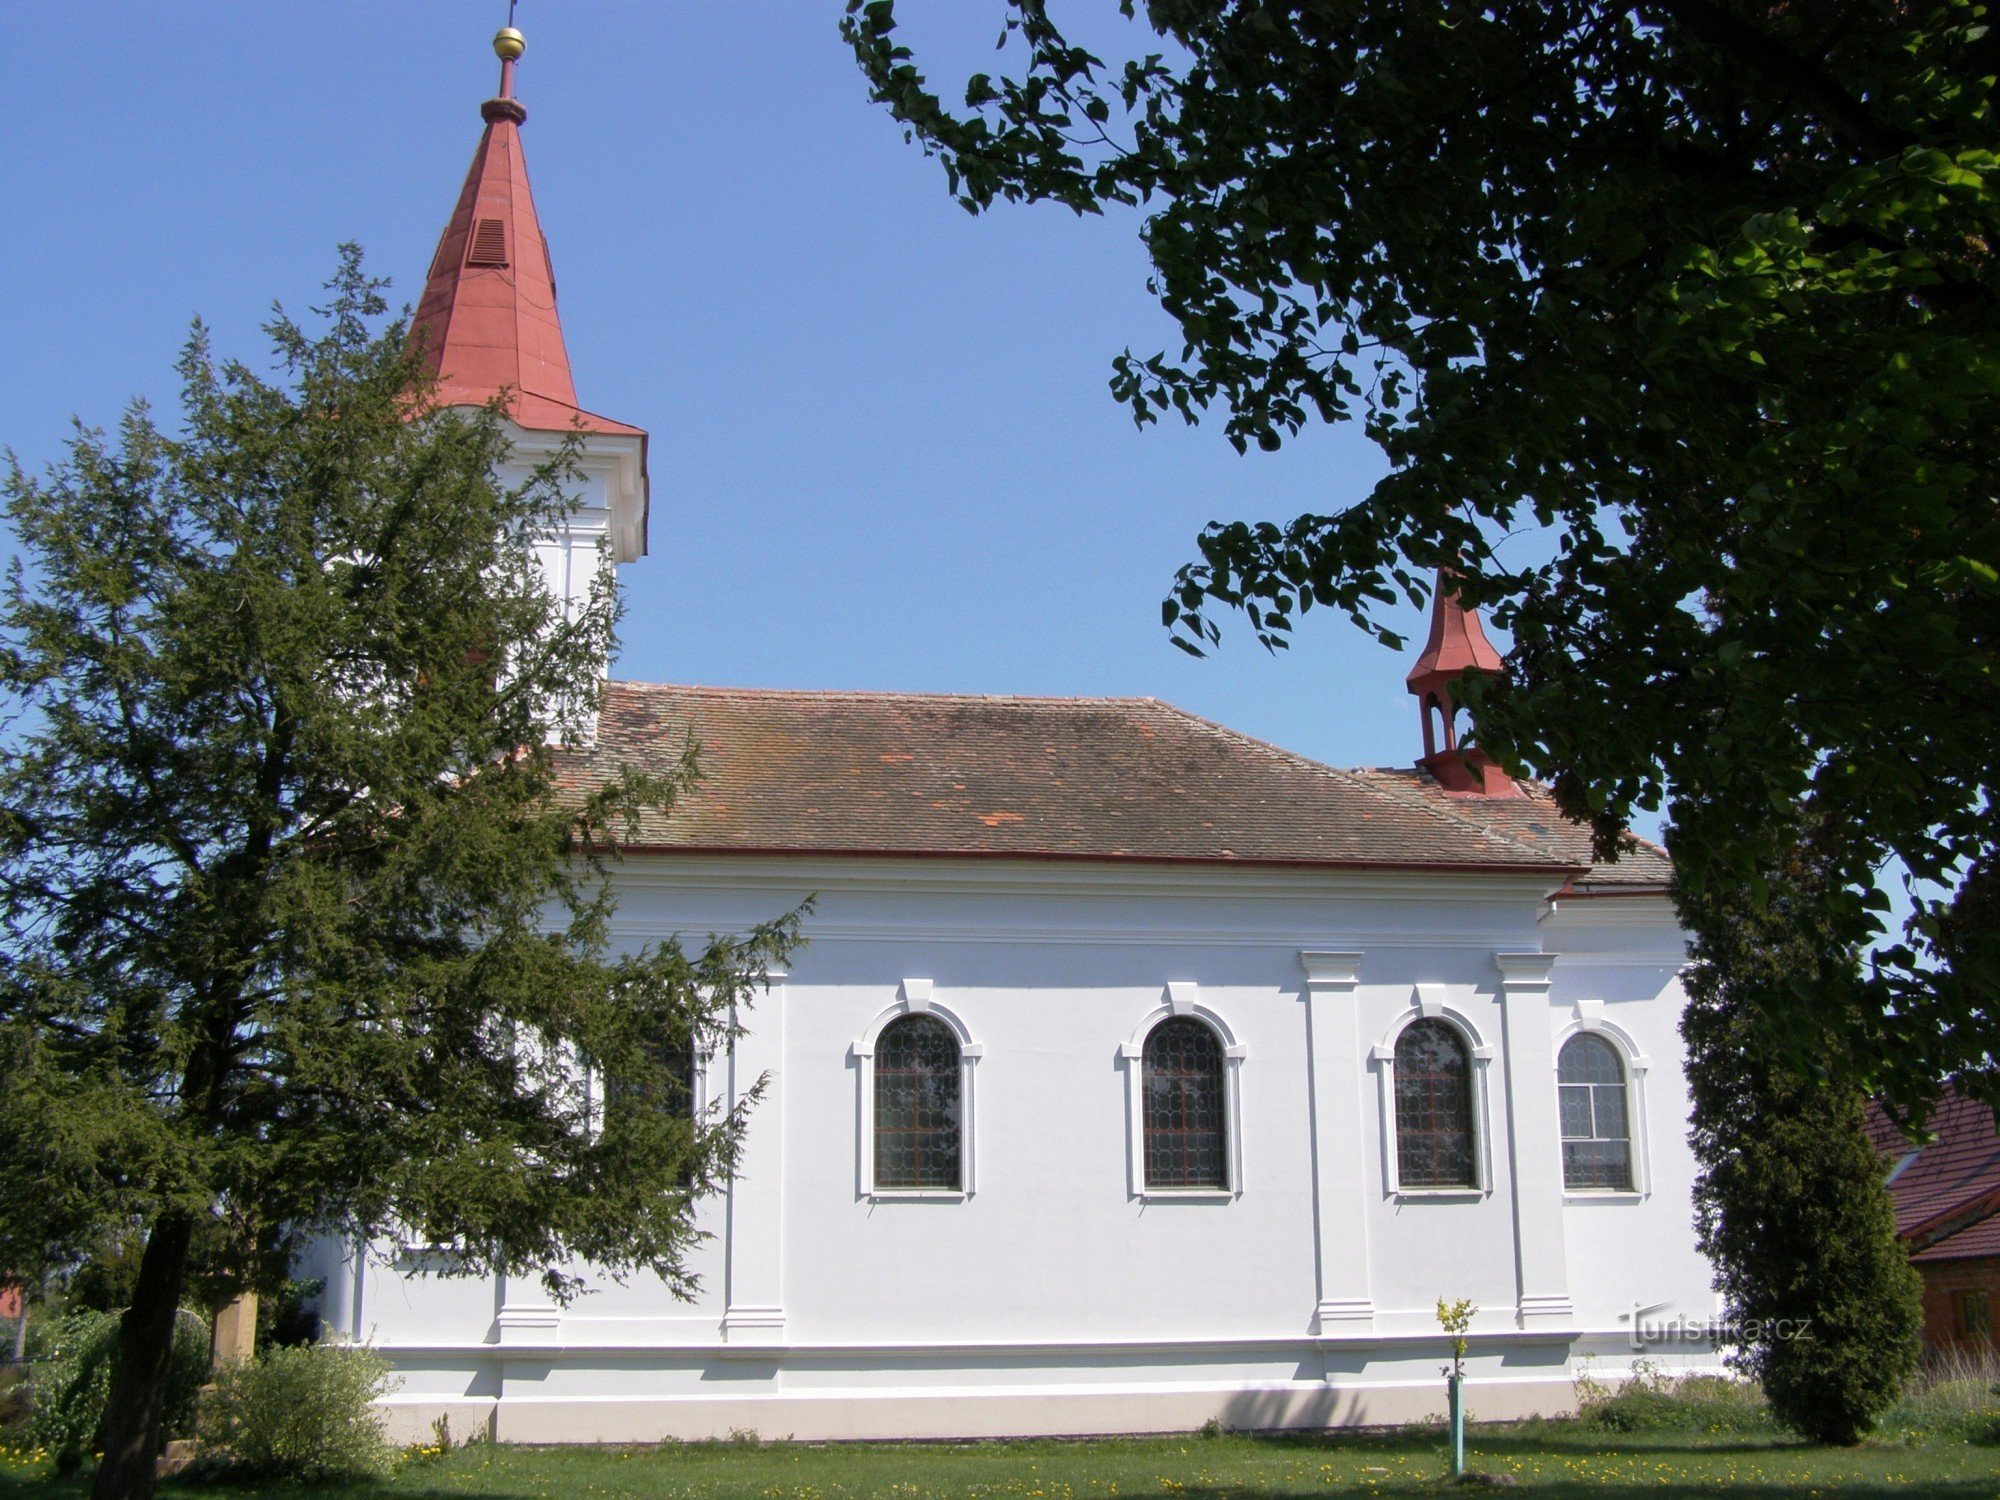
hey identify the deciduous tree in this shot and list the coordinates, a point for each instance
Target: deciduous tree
(1702, 290)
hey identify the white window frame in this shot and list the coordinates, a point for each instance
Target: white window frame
(1589, 1016)
(1428, 1004)
(1181, 1001)
(915, 999)
(702, 1104)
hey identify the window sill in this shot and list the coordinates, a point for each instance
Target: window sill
(1190, 1195)
(1603, 1195)
(1440, 1195)
(917, 1195)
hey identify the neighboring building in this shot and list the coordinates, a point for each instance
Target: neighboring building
(10, 1303)
(1947, 1197)
(1135, 1071)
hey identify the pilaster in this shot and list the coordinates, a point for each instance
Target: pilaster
(1340, 1179)
(1534, 1141)
(524, 1317)
(755, 1309)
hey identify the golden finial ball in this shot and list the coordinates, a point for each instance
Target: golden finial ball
(508, 44)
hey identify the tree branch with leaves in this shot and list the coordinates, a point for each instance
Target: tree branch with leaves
(1701, 291)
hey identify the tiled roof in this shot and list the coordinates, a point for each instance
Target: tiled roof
(1980, 1242)
(1938, 1184)
(1079, 778)
(1533, 819)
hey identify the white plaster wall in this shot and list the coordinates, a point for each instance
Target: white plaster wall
(606, 522)
(1620, 969)
(865, 1316)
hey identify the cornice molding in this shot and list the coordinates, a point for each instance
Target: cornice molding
(953, 875)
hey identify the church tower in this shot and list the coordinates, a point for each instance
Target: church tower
(1457, 649)
(488, 327)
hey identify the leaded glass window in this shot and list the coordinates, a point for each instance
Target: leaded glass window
(1434, 1137)
(1183, 1087)
(1596, 1139)
(917, 1120)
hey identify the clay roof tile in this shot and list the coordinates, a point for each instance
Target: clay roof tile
(1090, 778)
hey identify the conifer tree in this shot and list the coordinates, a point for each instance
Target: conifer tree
(1790, 1196)
(299, 933)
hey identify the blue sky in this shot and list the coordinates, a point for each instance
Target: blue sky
(883, 450)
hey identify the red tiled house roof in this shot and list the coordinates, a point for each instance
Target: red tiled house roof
(1124, 779)
(1947, 1194)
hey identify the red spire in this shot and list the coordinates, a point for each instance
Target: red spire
(488, 316)
(1457, 646)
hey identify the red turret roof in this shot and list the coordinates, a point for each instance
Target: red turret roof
(1457, 644)
(488, 316)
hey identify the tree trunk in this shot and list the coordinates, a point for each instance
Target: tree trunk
(145, 1347)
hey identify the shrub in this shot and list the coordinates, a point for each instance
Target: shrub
(71, 1381)
(13, 1399)
(1652, 1401)
(1955, 1396)
(302, 1413)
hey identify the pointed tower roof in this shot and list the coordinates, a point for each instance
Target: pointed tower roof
(1457, 647)
(488, 317)
(1457, 643)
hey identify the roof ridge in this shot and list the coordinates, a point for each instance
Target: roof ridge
(881, 693)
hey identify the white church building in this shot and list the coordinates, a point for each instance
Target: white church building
(1134, 1072)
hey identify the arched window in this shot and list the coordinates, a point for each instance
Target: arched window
(917, 1117)
(1596, 1139)
(1434, 1137)
(1183, 1087)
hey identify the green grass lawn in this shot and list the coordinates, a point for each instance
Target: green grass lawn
(1556, 1458)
